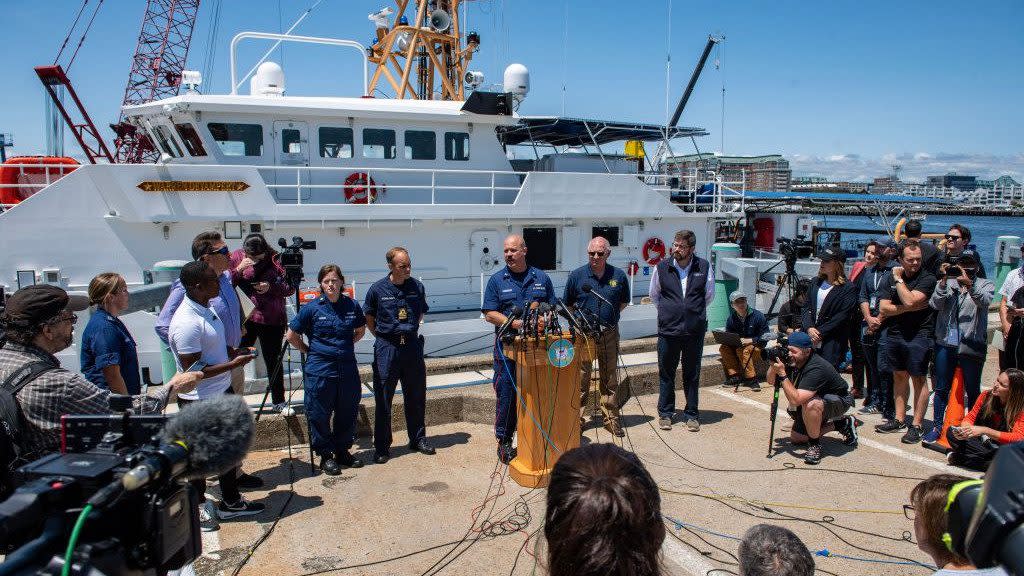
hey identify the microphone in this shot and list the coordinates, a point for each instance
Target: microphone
(564, 311)
(206, 438)
(549, 322)
(513, 314)
(590, 290)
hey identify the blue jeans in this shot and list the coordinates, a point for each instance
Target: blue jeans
(671, 349)
(946, 361)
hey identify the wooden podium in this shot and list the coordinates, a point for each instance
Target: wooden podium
(548, 379)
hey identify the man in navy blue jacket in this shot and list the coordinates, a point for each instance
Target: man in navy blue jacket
(740, 362)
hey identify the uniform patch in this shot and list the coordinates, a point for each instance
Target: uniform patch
(613, 283)
(561, 353)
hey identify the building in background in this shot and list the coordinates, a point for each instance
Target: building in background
(1005, 181)
(769, 173)
(886, 185)
(822, 184)
(953, 180)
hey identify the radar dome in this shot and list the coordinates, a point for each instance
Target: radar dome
(517, 81)
(268, 80)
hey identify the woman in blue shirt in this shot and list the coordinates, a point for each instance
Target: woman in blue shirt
(332, 323)
(109, 354)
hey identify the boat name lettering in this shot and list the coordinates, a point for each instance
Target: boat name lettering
(193, 186)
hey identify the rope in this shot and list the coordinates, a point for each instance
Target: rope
(82, 39)
(71, 31)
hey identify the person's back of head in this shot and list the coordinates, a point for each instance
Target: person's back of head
(603, 515)
(912, 229)
(193, 274)
(929, 500)
(774, 551)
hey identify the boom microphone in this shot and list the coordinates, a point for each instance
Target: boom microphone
(206, 438)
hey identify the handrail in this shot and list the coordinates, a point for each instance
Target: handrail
(305, 39)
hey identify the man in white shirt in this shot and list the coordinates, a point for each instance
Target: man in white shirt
(1011, 318)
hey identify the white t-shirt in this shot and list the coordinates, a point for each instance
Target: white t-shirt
(1014, 280)
(195, 328)
(975, 572)
(823, 291)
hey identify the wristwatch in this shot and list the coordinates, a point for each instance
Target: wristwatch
(899, 280)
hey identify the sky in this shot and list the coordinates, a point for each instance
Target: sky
(843, 89)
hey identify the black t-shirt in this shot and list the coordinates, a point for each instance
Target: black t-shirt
(819, 377)
(909, 325)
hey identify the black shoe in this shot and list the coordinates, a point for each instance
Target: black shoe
(506, 453)
(890, 426)
(847, 426)
(813, 454)
(381, 458)
(330, 466)
(913, 435)
(243, 507)
(752, 384)
(347, 459)
(248, 482)
(423, 447)
(732, 381)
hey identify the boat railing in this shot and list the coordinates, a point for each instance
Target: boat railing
(31, 178)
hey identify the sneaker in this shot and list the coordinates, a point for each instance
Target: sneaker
(208, 517)
(284, 409)
(241, 508)
(248, 482)
(693, 425)
(381, 458)
(847, 426)
(869, 409)
(813, 454)
(890, 426)
(506, 453)
(752, 384)
(932, 435)
(665, 423)
(329, 465)
(913, 435)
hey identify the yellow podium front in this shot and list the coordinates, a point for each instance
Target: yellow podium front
(548, 402)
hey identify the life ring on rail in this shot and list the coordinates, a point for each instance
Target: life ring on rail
(361, 189)
(654, 251)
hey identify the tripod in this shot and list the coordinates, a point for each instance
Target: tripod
(786, 281)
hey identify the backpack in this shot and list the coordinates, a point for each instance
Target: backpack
(11, 420)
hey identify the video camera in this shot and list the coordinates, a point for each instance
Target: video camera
(778, 352)
(292, 257)
(123, 506)
(792, 249)
(986, 520)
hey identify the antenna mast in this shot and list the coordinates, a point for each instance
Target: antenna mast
(420, 53)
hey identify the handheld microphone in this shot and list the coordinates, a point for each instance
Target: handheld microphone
(206, 438)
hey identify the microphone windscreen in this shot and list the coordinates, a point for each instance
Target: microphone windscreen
(218, 433)
(770, 336)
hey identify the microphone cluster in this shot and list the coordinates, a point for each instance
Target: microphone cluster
(542, 319)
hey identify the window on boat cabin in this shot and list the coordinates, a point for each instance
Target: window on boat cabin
(379, 143)
(291, 141)
(420, 145)
(237, 139)
(168, 145)
(456, 146)
(193, 143)
(609, 233)
(335, 142)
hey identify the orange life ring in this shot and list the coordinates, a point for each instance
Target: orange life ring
(361, 189)
(654, 251)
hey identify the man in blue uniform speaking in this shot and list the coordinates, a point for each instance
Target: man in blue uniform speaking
(682, 287)
(517, 285)
(394, 308)
(611, 285)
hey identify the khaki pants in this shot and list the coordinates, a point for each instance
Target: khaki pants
(606, 348)
(740, 361)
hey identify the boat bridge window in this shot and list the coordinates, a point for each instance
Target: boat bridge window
(193, 143)
(238, 139)
(335, 142)
(420, 145)
(291, 141)
(456, 146)
(167, 142)
(609, 233)
(379, 143)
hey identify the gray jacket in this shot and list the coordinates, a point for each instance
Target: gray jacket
(972, 316)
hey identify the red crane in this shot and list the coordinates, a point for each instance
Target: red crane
(157, 65)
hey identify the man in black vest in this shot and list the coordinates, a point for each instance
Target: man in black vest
(681, 289)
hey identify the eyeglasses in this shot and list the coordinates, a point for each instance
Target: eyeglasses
(908, 511)
(65, 317)
(952, 237)
(595, 254)
(223, 251)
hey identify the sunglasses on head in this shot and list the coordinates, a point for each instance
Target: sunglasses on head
(223, 251)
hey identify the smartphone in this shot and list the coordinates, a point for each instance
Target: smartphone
(197, 366)
(253, 352)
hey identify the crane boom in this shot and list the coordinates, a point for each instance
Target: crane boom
(712, 40)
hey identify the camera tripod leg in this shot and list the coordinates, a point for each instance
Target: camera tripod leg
(774, 414)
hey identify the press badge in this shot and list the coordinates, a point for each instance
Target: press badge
(874, 303)
(953, 336)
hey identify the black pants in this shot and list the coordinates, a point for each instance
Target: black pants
(1012, 354)
(973, 453)
(228, 480)
(270, 338)
(859, 364)
(672, 349)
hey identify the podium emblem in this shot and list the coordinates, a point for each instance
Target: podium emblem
(561, 353)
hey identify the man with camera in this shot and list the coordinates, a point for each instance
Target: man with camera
(40, 321)
(956, 241)
(818, 392)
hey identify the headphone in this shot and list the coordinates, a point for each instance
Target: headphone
(957, 510)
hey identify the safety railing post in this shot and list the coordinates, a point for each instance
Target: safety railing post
(298, 186)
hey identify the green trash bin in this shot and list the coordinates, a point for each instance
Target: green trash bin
(167, 271)
(718, 311)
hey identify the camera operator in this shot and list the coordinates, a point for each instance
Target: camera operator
(792, 311)
(39, 321)
(1011, 312)
(961, 301)
(879, 263)
(909, 327)
(955, 243)
(819, 393)
(830, 301)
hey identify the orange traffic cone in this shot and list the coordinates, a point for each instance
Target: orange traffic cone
(955, 410)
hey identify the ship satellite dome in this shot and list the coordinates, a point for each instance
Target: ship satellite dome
(517, 81)
(268, 80)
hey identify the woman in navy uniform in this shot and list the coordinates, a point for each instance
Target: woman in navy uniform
(333, 323)
(394, 308)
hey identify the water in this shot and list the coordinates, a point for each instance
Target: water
(984, 230)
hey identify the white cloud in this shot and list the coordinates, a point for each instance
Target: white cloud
(916, 166)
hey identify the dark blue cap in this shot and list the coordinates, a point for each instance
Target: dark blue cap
(800, 340)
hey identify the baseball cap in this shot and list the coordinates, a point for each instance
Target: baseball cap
(736, 295)
(968, 257)
(800, 340)
(831, 254)
(36, 304)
